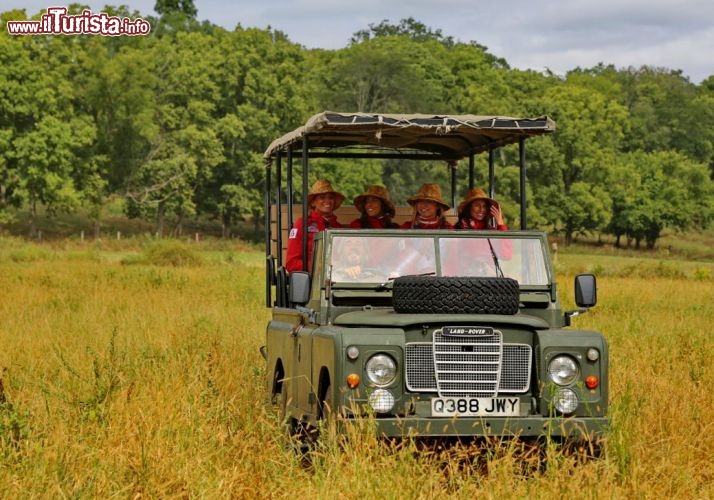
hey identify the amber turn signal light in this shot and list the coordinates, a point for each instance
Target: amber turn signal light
(352, 380)
(591, 381)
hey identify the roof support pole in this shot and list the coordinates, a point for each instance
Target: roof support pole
(472, 164)
(305, 146)
(269, 276)
(290, 188)
(278, 207)
(491, 174)
(522, 159)
(453, 165)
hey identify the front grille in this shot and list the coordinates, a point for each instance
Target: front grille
(468, 366)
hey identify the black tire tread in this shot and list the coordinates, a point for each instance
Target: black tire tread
(455, 295)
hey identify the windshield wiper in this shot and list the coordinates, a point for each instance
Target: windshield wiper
(499, 271)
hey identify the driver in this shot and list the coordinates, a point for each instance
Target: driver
(350, 261)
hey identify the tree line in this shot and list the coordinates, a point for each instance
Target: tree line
(175, 123)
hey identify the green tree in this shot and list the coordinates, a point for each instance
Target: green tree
(403, 178)
(350, 177)
(624, 191)
(660, 190)
(17, 108)
(388, 74)
(177, 16)
(666, 111)
(123, 96)
(47, 158)
(590, 131)
(45, 124)
(260, 96)
(177, 122)
(184, 147)
(166, 7)
(606, 80)
(479, 83)
(409, 27)
(659, 106)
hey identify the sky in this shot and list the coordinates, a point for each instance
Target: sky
(554, 35)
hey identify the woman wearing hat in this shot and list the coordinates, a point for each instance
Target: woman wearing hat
(483, 255)
(323, 201)
(429, 209)
(476, 210)
(376, 209)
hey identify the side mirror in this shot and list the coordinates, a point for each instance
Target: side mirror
(299, 287)
(585, 290)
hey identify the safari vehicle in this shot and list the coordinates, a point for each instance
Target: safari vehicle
(444, 333)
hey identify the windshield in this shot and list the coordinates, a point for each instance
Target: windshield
(370, 258)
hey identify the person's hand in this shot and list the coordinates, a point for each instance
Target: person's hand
(496, 214)
(353, 271)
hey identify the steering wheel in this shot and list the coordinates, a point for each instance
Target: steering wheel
(365, 274)
(370, 272)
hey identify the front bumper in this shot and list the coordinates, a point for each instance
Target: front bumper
(532, 426)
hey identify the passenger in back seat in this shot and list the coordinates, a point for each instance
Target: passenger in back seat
(429, 209)
(479, 256)
(375, 208)
(323, 200)
(478, 211)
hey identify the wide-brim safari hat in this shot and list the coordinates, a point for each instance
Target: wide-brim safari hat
(377, 192)
(323, 186)
(473, 195)
(429, 192)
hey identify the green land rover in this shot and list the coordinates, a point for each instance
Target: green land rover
(443, 333)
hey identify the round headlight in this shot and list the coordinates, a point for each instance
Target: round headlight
(593, 354)
(381, 369)
(565, 401)
(563, 370)
(381, 400)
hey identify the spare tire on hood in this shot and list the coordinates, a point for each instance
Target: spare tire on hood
(455, 295)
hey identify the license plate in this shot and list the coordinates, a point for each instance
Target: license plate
(475, 407)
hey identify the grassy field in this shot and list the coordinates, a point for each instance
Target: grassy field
(132, 370)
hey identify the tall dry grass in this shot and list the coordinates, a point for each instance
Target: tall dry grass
(141, 380)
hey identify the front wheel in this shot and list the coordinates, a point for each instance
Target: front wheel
(325, 409)
(280, 399)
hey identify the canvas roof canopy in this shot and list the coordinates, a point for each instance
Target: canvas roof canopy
(449, 137)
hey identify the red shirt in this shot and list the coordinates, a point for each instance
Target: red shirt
(502, 247)
(469, 223)
(315, 223)
(436, 224)
(373, 223)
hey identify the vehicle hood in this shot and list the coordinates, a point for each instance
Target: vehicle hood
(387, 317)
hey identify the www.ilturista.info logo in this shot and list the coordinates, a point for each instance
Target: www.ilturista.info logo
(57, 22)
